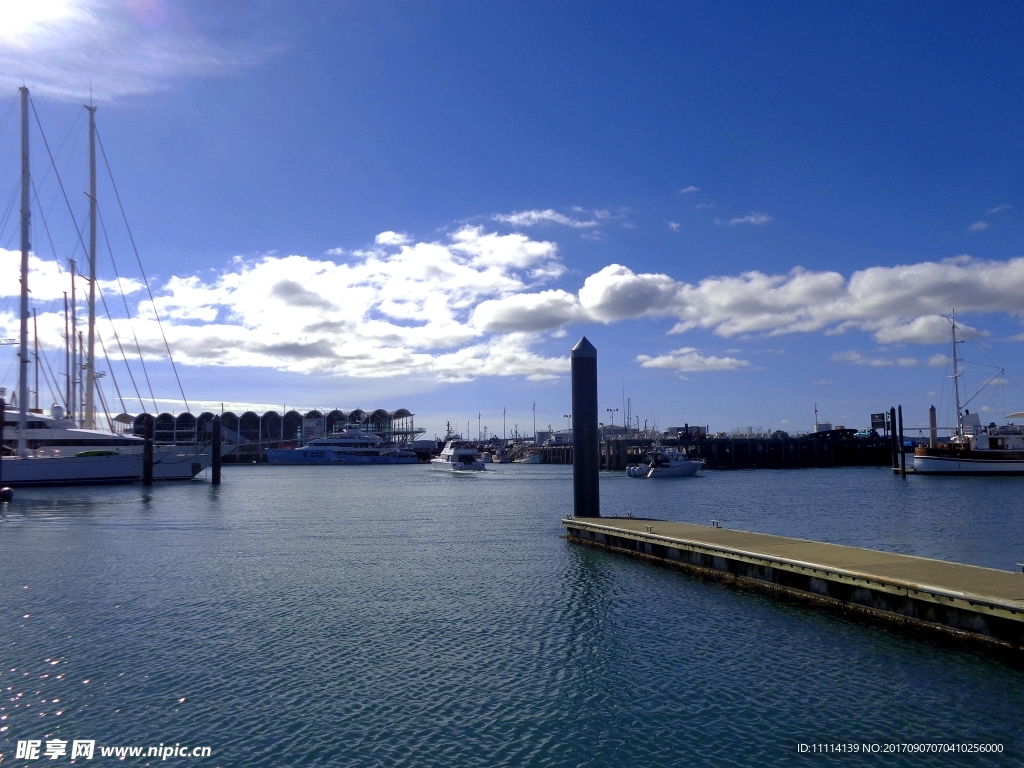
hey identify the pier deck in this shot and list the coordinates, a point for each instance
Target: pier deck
(976, 603)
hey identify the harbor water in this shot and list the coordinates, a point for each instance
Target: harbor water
(404, 616)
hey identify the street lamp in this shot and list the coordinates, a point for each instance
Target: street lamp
(568, 420)
(612, 411)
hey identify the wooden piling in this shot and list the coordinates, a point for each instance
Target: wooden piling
(147, 450)
(215, 458)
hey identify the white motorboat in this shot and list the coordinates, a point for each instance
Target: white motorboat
(531, 458)
(346, 447)
(666, 463)
(458, 456)
(974, 449)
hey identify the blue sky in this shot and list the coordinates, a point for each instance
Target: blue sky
(748, 209)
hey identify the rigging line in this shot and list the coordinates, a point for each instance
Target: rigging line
(46, 173)
(46, 228)
(10, 111)
(142, 362)
(992, 356)
(124, 357)
(113, 378)
(143, 271)
(57, 174)
(9, 208)
(46, 365)
(106, 410)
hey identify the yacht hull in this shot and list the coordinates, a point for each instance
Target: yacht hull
(531, 459)
(71, 470)
(460, 466)
(688, 469)
(965, 464)
(290, 456)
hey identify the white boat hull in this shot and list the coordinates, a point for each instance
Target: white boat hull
(686, 469)
(531, 459)
(175, 462)
(70, 470)
(295, 456)
(960, 465)
(458, 466)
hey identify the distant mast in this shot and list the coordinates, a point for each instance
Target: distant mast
(90, 360)
(956, 379)
(26, 183)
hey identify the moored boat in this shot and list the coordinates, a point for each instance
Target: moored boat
(530, 458)
(977, 450)
(346, 447)
(974, 449)
(458, 456)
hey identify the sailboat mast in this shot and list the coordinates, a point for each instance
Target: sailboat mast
(90, 359)
(67, 356)
(26, 183)
(74, 370)
(35, 342)
(956, 380)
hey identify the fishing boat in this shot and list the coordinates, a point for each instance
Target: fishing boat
(662, 463)
(346, 447)
(974, 449)
(530, 458)
(458, 456)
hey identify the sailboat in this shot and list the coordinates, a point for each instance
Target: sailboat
(61, 443)
(975, 449)
(84, 467)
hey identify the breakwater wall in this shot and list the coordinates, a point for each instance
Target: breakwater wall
(743, 453)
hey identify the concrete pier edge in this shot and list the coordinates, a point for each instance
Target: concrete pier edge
(988, 622)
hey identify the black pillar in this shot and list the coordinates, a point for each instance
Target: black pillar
(215, 457)
(147, 452)
(3, 418)
(892, 439)
(586, 446)
(903, 453)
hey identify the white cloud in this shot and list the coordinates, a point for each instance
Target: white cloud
(998, 209)
(383, 314)
(59, 48)
(618, 293)
(936, 361)
(674, 226)
(929, 329)
(689, 190)
(476, 302)
(978, 226)
(751, 218)
(703, 206)
(391, 238)
(527, 312)
(856, 358)
(547, 216)
(689, 360)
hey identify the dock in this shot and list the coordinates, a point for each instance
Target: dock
(980, 605)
